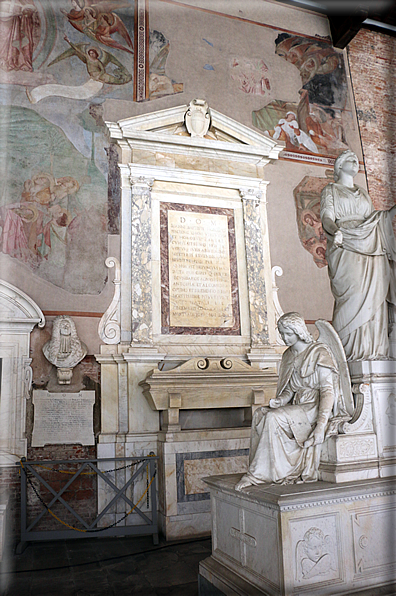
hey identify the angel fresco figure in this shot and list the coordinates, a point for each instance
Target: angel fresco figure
(313, 397)
(96, 61)
(97, 20)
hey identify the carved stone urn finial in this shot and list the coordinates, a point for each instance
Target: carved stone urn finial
(64, 350)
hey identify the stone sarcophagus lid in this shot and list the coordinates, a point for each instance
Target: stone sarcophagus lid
(208, 383)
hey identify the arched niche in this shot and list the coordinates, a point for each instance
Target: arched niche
(18, 315)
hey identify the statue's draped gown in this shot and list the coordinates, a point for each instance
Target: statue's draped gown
(309, 383)
(362, 271)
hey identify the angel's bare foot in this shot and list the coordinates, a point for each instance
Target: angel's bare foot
(243, 483)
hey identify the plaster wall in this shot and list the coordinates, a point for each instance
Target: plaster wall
(227, 54)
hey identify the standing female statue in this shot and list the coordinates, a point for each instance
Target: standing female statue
(287, 436)
(361, 253)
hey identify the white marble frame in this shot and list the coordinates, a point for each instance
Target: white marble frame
(237, 189)
(154, 132)
(18, 315)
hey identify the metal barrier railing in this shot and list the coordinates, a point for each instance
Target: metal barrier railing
(117, 500)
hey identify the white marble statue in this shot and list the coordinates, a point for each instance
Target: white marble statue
(361, 253)
(313, 396)
(64, 350)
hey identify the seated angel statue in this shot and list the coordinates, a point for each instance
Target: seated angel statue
(313, 397)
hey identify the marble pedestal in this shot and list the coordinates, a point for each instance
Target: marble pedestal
(185, 457)
(315, 539)
(378, 378)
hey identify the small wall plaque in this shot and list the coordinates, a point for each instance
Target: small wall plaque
(63, 418)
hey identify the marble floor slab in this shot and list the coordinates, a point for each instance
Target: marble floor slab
(108, 567)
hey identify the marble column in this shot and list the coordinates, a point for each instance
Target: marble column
(142, 315)
(254, 227)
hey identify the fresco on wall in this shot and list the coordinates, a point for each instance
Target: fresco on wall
(310, 231)
(52, 205)
(78, 49)
(250, 76)
(159, 83)
(315, 124)
(59, 61)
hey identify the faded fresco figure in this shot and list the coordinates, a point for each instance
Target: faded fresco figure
(19, 34)
(288, 130)
(32, 229)
(96, 61)
(286, 437)
(361, 254)
(98, 22)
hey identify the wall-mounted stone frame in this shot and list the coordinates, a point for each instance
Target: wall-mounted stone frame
(18, 315)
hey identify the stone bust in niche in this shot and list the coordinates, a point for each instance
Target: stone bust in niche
(64, 350)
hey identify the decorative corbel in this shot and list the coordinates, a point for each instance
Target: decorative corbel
(110, 324)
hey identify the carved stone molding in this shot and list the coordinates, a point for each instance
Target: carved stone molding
(110, 324)
(277, 272)
(254, 244)
(141, 184)
(362, 420)
(142, 325)
(27, 377)
(206, 383)
(251, 194)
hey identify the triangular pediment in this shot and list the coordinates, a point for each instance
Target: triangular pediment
(169, 126)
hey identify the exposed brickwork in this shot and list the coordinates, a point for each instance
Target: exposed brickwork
(81, 495)
(372, 60)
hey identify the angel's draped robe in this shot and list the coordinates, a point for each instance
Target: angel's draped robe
(278, 435)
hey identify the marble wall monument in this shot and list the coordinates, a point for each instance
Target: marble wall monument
(193, 310)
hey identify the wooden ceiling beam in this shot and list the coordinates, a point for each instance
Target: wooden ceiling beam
(344, 27)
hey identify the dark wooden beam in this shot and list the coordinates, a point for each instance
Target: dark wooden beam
(344, 27)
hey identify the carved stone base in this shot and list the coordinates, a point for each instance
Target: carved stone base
(349, 457)
(312, 539)
(184, 458)
(378, 377)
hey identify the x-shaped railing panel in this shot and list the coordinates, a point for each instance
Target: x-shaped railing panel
(149, 526)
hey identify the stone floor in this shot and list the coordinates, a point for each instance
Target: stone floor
(111, 567)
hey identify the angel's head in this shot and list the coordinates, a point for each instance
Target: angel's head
(293, 322)
(314, 542)
(93, 54)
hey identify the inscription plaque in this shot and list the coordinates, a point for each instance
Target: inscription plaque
(63, 418)
(199, 281)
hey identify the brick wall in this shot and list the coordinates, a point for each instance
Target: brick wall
(372, 61)
(81, 494)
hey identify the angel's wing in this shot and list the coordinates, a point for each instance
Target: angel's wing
(328, 336)
(67, 54)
